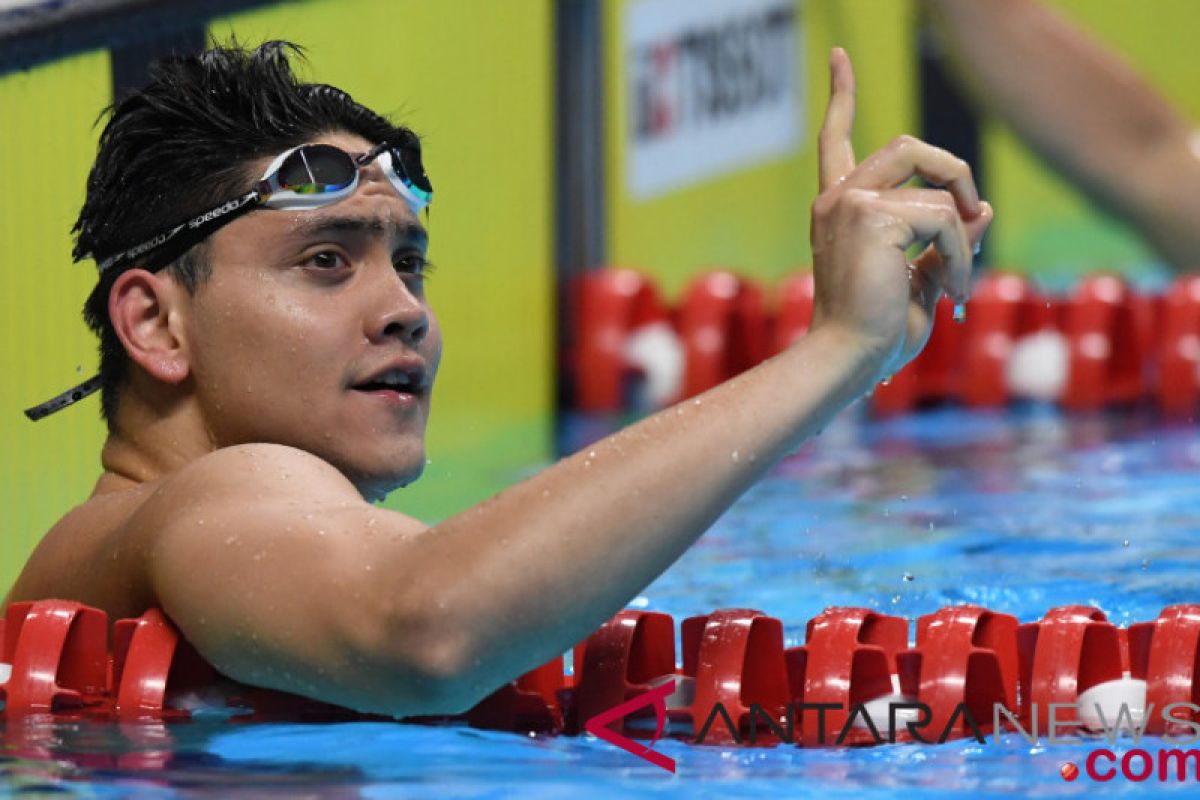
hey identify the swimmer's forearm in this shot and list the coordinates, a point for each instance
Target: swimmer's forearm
(537, 568)
(1082, 108)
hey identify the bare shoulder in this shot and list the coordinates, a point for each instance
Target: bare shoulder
(243, 509)
(227, 506)
(250, 470)
(265, 556)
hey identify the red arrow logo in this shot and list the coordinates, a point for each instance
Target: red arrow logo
(656, 697)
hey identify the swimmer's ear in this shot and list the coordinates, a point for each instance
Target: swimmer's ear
(143, 307)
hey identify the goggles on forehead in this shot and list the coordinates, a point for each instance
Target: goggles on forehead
(303, 178)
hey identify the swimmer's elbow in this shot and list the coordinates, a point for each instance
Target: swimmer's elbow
(423, 665)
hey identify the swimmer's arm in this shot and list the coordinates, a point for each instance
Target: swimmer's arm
(281, 575)
(1084, 110)
(295, 583)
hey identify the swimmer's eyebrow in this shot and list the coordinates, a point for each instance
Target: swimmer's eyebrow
(407, 233)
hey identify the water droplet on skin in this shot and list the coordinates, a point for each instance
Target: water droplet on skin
(591, 454)
(371, 522)
(231, 539)
(545, 492)
(960, 313)
(199, 522)
(734, 456)
(320, 532)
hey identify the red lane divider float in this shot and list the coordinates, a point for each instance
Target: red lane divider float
(722, 323)
(1178, 348)
(856, 680)
(612, 306)
(1102, 344)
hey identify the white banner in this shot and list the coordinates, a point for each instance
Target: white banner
(712, 88)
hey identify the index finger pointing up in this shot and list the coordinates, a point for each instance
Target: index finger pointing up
(835, 150)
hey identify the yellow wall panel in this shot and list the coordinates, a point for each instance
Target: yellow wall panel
(47, 142)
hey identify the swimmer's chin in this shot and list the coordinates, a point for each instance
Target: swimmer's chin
(374, 488)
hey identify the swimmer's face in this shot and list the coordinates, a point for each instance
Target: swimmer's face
(306, 315)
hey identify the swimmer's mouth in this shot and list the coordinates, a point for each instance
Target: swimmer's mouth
(409, 379)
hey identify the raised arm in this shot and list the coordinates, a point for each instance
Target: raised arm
(320, 593)
(1085, 111)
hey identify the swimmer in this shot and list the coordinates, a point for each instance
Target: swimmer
(1084, 110)
(267, 372)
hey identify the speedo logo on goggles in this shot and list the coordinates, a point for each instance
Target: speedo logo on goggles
(305, 177)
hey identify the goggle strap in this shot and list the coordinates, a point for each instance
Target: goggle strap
(67, 398)
(219, 215)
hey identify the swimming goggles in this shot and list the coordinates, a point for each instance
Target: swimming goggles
(303, 178)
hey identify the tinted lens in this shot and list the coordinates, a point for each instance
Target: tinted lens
(315, 169)
(407, 161)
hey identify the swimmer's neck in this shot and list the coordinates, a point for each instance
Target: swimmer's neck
(147, 443)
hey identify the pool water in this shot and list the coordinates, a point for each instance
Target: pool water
(1018, 511)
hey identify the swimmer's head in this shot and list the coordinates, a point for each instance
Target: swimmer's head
(200, 133)
(188, 140)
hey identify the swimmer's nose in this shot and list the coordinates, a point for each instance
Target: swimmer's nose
(400, 315)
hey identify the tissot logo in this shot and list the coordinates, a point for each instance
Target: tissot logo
(700, 75)
(711, 87)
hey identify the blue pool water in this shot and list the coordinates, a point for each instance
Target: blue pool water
(1017, 511)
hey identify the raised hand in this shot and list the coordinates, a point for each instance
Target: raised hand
(863, 222)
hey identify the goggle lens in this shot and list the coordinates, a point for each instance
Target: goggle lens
(316, 169)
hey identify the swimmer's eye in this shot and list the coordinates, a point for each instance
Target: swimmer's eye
(414, 265)
(326, 260)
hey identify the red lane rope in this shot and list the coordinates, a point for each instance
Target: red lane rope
(735, 680)
(1111, 344)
